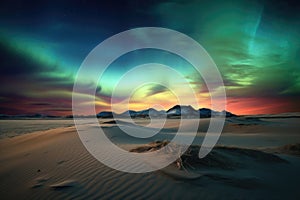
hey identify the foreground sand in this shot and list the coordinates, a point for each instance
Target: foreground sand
(54, 164)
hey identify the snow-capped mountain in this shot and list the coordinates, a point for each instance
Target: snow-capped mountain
(143, 113)
(174, 112)
(206, 112)
(130, 113)
(182, 110)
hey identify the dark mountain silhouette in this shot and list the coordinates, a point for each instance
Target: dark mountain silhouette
(174, 112)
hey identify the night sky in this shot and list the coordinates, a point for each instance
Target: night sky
(255, 44)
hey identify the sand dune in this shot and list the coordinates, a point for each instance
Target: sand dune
(53, 164)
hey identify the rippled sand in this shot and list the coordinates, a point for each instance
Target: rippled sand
(54, 164)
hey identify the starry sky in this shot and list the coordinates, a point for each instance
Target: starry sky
(255, 45)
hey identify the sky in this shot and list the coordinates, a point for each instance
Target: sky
(255, 45)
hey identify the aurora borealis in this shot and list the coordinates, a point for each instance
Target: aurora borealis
(255, 44)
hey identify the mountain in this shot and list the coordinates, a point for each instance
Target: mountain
(229, 114)
(206, 112)
(105, 114)
(127, 113)
(151, 112)
(143, 113)
(174, 112)
(186, 111)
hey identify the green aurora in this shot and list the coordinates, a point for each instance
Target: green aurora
(256, 46)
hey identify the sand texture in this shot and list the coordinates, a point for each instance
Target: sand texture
(254, 159)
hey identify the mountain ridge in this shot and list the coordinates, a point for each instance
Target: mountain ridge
(186, 111)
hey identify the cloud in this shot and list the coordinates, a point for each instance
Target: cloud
(156, 89)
